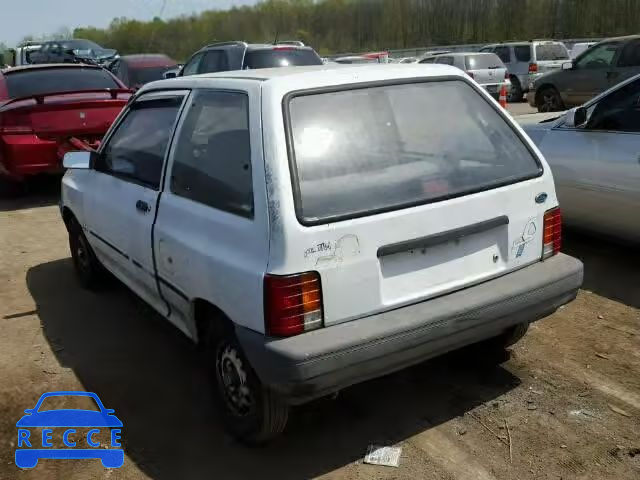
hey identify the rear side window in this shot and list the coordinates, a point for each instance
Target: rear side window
(281, 57)
(630, 56)
(484, 61)
(503, 54)
(137, 148)
(445, 60)
(551, 51)
(357, 152)
(212, 162)
(522, 53)
(214, 61)
(27, 83)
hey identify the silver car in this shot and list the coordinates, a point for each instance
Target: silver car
(526, 61)
(594, 152)
(485, 68)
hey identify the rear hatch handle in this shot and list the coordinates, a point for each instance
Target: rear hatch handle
(443, 237)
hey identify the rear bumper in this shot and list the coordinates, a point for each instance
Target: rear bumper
(24, 155)
(323, 361)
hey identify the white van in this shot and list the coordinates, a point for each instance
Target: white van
(315, 227)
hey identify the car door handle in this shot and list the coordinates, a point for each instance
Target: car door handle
(143, 206)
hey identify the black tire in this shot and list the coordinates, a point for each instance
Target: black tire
(9, 188)
(251, 412)
(515, 95)
(548, 100)
(88, 269)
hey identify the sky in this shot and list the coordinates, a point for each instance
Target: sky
(19, 18)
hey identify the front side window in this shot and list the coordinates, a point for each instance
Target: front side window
(360, 151)
(191, 68)
(212, 159)
(600, 56)
(503, 53)
(619, 111)
(136, 150)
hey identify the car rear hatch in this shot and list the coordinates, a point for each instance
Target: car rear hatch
(487, 69)
(405, 192)
(59, 103)
(550, 56)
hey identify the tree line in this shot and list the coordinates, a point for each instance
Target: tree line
(333, 26)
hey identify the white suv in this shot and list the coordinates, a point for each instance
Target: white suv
(315, 227)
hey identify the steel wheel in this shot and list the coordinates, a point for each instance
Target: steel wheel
(549, 100)
(232, 380)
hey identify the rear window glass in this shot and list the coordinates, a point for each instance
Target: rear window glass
(551, 51)
(356, 152)
(50, 80)
(522, 53)
(480, 62)
(281, 58)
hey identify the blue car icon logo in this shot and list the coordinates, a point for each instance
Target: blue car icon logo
(32, 447)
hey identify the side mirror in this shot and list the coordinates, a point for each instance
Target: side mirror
(28, 411)
(567, 66)
(77, 160)
(576, 117)
(170, 74)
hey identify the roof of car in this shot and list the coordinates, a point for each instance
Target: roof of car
(316, 75)
(623, 39)
(255, 46)
(43, 66)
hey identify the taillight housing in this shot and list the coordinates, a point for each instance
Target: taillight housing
(552, 233)
(533, 68)
(15, 123)
(292, 304)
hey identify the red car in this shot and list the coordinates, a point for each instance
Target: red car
(48, 110)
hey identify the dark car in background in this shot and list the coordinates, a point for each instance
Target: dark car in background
(136, 70)
(222, 57)
(72, 51)
(601, 67)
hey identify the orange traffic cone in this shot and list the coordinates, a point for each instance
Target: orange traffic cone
(502, 100)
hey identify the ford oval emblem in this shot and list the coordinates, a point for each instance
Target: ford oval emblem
(541, 197)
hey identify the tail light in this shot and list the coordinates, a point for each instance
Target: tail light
(552, 233)
(470, 74)
(284, 48)
(533, 67)
(15, 123)
(292, 304)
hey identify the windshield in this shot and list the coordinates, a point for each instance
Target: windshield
(140, 76)
(551, 51)
(356, 152)
(281, 57)
(26, 83)
(68, 402)
(483, 61)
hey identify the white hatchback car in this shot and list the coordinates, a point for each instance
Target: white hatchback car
(316, 227)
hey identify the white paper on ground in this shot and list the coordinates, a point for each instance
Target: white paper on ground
(388, 456)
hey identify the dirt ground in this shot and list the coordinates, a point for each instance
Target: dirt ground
(567, 400)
